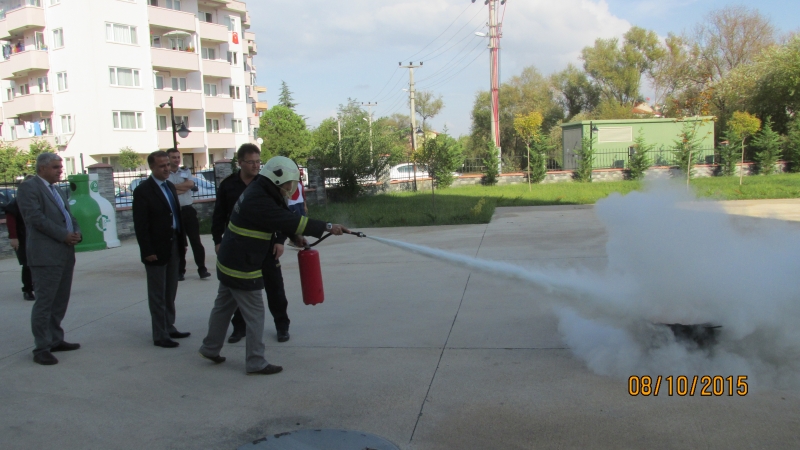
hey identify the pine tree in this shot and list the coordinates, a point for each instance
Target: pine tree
(639, 161)
(285, 98)
(686, 148)
(791, 151)
(491, 163)
(768, 148)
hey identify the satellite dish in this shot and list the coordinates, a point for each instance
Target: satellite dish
(260, 141)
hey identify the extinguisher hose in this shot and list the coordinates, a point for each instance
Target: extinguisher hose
(354, 233)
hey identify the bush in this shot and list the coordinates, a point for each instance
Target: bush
(129, 159)
(791, 149)
(491, 163)
(639, 161)
(686, 148)
(768, 149)
(537, 164)
(585, 160)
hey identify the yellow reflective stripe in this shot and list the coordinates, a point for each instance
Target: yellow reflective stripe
(237, 274)
(302, 225)
(249, 233)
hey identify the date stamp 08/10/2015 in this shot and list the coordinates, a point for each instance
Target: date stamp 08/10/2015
(702, 386)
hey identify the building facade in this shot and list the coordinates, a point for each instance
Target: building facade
(92, 76)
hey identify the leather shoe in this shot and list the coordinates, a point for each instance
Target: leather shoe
(283, 335)
(179, 335)
(46, 359)
(166, 343)
(205, 275)
(28, 296)
(217, 359)
(181, 277)
(269, 370)
(65, 346)
(236, 337)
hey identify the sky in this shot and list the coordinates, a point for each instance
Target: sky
(331, 51)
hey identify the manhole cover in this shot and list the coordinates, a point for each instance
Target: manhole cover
(321, 439)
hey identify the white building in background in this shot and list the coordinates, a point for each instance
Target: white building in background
(89, 76)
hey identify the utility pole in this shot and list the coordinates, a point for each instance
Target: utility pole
(495, 33)
(370, 105)
(411, 91)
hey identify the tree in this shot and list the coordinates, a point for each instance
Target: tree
(427, 106)
(443, 156)
(640, 161)
(285, 134)
(791, 151)
(285, 98)
(583, 172)
(618, 69)
(129, 159)
(686, 148)
(741, 126)
(728, 153)
(491, 164)
(771, 83)
(768, 148)
(529, 129)
(576, 93)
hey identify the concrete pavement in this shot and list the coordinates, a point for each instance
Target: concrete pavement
(426, 355)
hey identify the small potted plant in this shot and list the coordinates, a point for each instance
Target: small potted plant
(190, 49)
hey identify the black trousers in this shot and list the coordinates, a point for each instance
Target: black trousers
(192, 228)
(27, 278)
(276, 298)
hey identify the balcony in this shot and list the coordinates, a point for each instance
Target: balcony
(254, 121)
(196, 139)
(223, 105)
(261, 106)
(27, 104)
(236, 6)
(180, 99)
(170, 18)
(25, 143)
(21, 63)
(217, 68)
(173, 59)
(221, 140)
(213, 32)
(260, 89)
(21, 19)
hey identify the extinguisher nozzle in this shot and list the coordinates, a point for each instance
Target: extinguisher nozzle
(357, 233)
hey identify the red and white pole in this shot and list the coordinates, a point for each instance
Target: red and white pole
(494, 52)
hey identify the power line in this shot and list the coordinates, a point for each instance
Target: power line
(387, 83)
(447, 72)
(428, 56)
(445, 68)
(440, 35)
(455, 74)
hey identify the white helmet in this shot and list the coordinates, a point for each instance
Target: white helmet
(280, 170)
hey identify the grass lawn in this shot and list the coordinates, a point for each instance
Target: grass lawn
(476, 204)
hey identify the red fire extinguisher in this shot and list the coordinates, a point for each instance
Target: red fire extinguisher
(310, 276)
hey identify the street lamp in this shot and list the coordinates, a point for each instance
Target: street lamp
(183, 132)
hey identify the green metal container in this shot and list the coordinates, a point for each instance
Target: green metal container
(87, 212)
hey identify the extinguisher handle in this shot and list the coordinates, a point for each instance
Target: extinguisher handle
(319, 240)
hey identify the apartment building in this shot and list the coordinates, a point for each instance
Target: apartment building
(90, 77)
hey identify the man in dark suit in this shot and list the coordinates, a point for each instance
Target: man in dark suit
(52, 233)
(157, 223)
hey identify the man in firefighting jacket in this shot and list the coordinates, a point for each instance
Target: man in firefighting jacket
(259, 215)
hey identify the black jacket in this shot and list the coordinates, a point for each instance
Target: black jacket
(229, 190)
(259, 213)
(152, 221)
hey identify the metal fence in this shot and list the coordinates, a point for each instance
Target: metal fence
(126, 181)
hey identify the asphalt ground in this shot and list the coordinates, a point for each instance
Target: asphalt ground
(423, 354)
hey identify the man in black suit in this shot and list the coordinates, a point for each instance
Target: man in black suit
(157, 222)
(52, 233)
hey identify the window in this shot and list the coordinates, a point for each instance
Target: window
(162, 123)
(235, 92)
(230, 22)
(182, 119)
(208, 53)
(54, 2)
(47, 127)
(159, 82)
(174, 4)
(24, 89)
(233, 58)
(210, 89)
(121, 34)
(212, 125)
(236, 125)
(124, 77)
(9, 94)
(179, 84)
(38, 39)
(177, 44)
(206, 17)
(155, 41)
(62, 81)
(152, 2)
(66, 124)
(58, 38)
(44, 85)
(128, 120)
(255, 133)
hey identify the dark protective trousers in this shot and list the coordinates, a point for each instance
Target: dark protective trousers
(192, 227)
(276, 298)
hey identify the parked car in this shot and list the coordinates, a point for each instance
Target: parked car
(203, 189)
(405, 171)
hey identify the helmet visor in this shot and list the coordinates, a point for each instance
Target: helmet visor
(289, 188)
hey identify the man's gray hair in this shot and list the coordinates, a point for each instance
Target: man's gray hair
(44, 159)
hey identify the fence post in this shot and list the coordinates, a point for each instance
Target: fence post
(316, 181)
(222, 169)
(105, 176)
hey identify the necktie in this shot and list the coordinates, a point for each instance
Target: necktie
(61, 206)
(171, 205)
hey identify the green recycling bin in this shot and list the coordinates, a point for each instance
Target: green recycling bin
(87, 212)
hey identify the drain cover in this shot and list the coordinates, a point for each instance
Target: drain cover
(321, 439)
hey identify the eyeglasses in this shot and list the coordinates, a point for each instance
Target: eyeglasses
(252, 163)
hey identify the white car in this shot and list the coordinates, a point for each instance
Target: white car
(405, 171)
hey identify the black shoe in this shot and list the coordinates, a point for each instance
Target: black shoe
(179, 335)
(181, 277)
(269, 370)
(236, 337)
(28, 295)
(283, 335)
(65, 347)
(217, 359)
(46, 359)
(166, 343)
(204, 275)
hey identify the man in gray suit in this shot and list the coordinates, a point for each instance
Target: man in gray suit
(52, 233)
